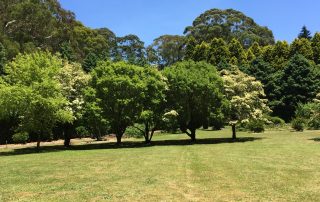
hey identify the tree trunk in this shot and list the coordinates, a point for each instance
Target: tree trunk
(119, 138)
(98, 136)
(151, 135)
(234, 135)
(146, 133)
(193, 135)
(67, 141)
(38, 145)
(67, 138)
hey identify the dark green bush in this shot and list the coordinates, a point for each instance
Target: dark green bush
(256, 126)
(82, 132)
(277, 121)
(20, 138)
(298, 124)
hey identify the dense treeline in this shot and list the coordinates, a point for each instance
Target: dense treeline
(60, 79)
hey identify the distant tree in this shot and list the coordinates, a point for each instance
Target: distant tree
(269, 77)
(303, 47)
(245, 94)
(250, 55)
(168, 50)
(237, 51)
(218, 52)
(280, 54)
(299, 84)
(315, 43)
(67, 52)
(195, 90)
(119, 91)
(190, 46)
(305, 33)
(200, 52)
(228, 24)
(256, 49)
(90, 62)
(131, 49)
(3, 58)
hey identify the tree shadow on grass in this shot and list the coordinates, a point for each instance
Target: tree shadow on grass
(127, 145)
(316, 139)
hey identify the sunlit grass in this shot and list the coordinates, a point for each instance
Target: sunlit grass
(273, 166)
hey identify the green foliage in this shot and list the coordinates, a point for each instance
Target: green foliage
(200, 52)
(2, 58)
(310, 112)
(237, 51)
(82, 132)
(195, 90)
(299, 84)
(255, 49)
(298, 124)
(119, 91)
(218, 52)
(166, 50)
(135, 131)
(276, 121)
(90, 62)
(131, 49)
(20, 138)
(36, 93)
(67, 51)
(303, 47)
(315, 43)
(228, 24)
(245, 94)
(256, 126)
(154, 101)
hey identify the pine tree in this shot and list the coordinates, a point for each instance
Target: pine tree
(237, 51)
(303, 47)
(90, 62)
(218, 52)
(305, 33)
(67, 51)
(201, 52)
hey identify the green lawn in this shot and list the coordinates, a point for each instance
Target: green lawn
(274, 166)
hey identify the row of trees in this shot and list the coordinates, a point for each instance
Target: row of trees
(217, 72)
(47, 97)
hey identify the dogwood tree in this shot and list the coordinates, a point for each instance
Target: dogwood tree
(245, 95)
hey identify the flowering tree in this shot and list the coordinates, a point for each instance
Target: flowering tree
(245, 94)
(73, 80)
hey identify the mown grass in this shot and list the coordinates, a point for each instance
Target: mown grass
(273, 166)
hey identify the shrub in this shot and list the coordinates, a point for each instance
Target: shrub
(310, 112)
(134, 131)
(20, 138)
(277, 121)
(82, 132)
(298, 124)
(256, 126)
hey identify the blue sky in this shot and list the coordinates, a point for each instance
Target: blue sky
(149, 19)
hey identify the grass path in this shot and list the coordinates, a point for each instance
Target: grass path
(281, 166)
